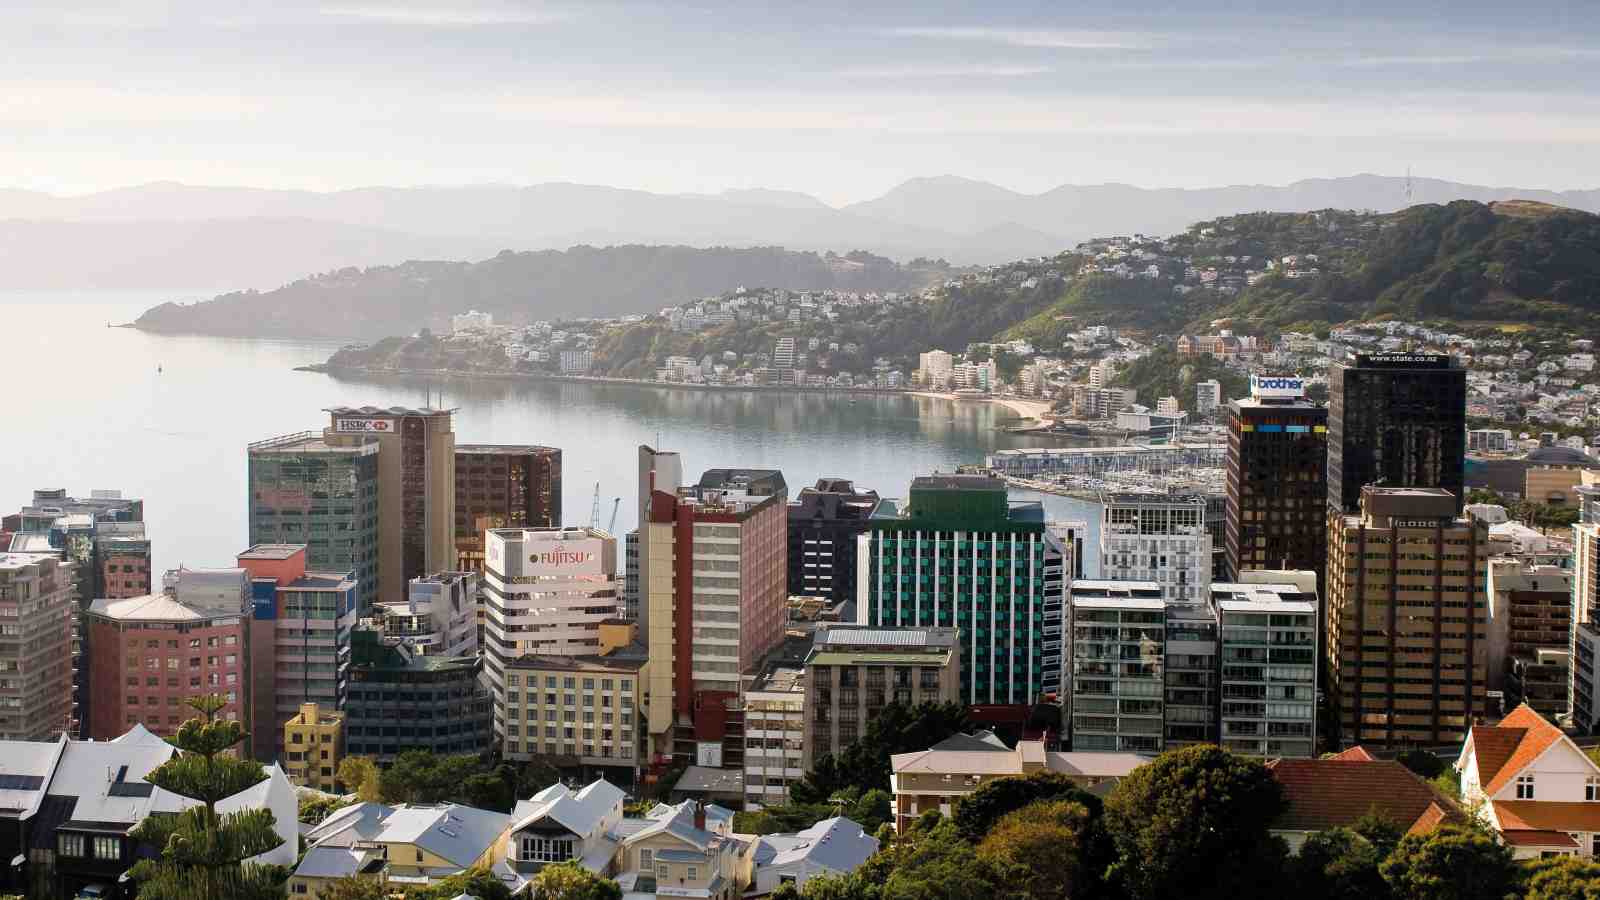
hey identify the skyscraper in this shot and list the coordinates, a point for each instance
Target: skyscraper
(416, 488)
(322, 493)
(36, 599)
(1276, 515)
(1398, 420)
(1406, 642)
(503, 486)
(962, 556)
(713, 560)
(1160, 538)
(823, 524)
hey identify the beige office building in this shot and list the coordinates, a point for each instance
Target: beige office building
(416, 488)
(37, 601)
(1407, 642)
(853, 672)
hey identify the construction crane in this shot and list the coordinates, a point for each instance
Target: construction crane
(616, 504)
(594, 508)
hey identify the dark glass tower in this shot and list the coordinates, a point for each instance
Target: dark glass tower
(1276, 516)
(1398, 420)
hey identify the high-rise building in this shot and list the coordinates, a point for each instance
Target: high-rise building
(312, 615)
(713, 559)
(630, 579)
(1160, 538)
(1117, 696)
(308, 490)
(604, 689)
(1276, 515)
(962, 556)
(439, 616)
(851, 673)
(416, 488)
(1406, 641)
(934, 369)
(1207, 396)
(823, 523)
(1267, 638)
(1583, 682)
(783, 354)
(1399, 420)
(1189, 679)
(38, 603)
(503, 486)
(150, 655)
(122, 557)
(401, 698)
(1530, 634)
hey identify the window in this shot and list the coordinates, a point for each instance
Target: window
(419, 856)
(1591, 788)
(546, 849)
(646, 858)
(1524, 787)
(107, 848)
(693, 872)
(70, 844)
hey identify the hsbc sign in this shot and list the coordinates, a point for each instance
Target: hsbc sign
(363, 426)
(1273, 387)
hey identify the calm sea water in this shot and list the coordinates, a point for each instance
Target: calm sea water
(86, 407)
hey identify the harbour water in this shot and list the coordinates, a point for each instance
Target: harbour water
(167, 418)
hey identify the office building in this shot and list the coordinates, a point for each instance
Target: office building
(439, 617)
(312, 615)
(401, 698)
(1116, 699)
(1190, 695)
(630, 579)
(1399, 420)
(584, 710)
(322, 494)
(122, 558)
(1267, 638)
(38, 602)
(962, 556)
(852, 672)
(1583, 688)
(150, 655)
(1530, 634)
(1406, 640)
(713, 558)
(416, 488)
(503, 486)
(775, 735)
(1160, 538)
(313, 741)
(1276, 514)
(823, 523)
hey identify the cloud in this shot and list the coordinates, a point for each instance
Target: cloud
(977, 70)
(442, 17)
(1046, 39)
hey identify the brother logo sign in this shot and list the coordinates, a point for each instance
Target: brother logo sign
(1275, 387)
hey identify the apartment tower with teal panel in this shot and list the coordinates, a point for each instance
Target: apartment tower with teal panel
(962, 556)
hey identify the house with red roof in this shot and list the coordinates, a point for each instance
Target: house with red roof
(1529, 782)
(1340, 790)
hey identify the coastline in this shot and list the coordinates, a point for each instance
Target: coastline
(1025, 409)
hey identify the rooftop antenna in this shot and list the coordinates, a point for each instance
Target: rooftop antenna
(1411, 192)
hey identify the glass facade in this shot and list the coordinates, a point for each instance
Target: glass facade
(305, 492)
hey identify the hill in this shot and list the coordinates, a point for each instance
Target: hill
(521, 288)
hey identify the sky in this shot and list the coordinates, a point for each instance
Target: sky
(839, 100)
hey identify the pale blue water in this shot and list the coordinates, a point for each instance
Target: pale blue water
(85, 408)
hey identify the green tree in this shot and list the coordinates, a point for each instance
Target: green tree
(1562, 878)
(477, 882)
(420, 776)
(939, 865)
(1195, 816)
(571, 881)
(316, 807)
(1380, 830)
(1451, 863)
(1426, 765)
(359, 776)
(203, 852)
(864, 765)
(355, 887)
(1338, 864)
(977, 812)
(1040, 850)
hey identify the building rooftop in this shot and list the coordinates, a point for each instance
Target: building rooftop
(627, 659)
(387, 411)
(273, 551)
(310, 442)
(161, 607)
(505, 449)
(878, 657)
(1333, 793)
(780, 679)
(833, 637)
(943, 482)
(1145, 603)
(15, 561)
(1287, 607)
(1562, 456)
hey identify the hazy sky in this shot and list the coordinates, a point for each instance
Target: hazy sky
(841, 100)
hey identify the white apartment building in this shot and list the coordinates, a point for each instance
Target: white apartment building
(472, 320)
(774, 729)
(1207, 396)
(1268, 643)
(439, 616)
(576, 362)
(783, 354)
(934, 368)
(1160, 538)
(547, 591)
(1167, 405)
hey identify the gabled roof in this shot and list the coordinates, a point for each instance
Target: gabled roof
(1506, 749)
(1333, 793)
(579, 812)
(981, 741)
(451, 831)
(1547, 815)
(357, 822)
(677, 821)
(837, 844)
(1355, 754)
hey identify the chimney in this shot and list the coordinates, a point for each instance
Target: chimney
(700, 815)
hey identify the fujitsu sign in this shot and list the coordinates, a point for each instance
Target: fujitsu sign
(561, 556)
(582, 557)
(1274, 387)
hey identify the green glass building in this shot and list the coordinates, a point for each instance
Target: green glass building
(962, 556)
(304, 491)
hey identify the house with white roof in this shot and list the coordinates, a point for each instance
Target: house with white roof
(687, 850)
(410, 845)
(559, 824)
(834, 846)
(1529, 782)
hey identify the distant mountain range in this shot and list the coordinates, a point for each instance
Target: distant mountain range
(167, 234)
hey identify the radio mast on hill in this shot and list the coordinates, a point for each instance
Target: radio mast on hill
(1410, 188)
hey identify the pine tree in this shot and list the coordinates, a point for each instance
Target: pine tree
(201, 852)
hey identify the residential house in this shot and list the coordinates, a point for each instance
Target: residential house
(935, 778)
(834, 846)
(1338, 791)
(406, 846)
(687, 850)
(1529, 782)
(559, 824)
